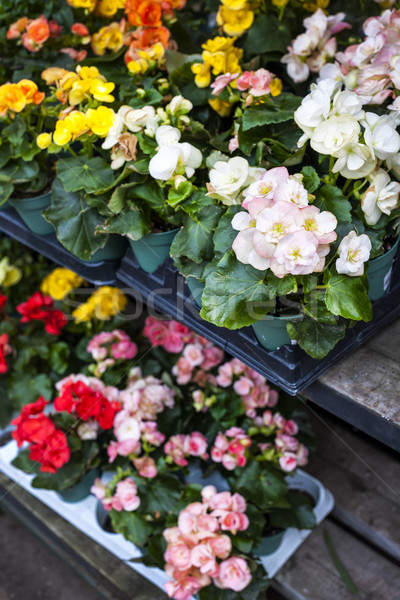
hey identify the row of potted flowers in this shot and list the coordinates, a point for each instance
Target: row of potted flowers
(191, 453)
(271, 203)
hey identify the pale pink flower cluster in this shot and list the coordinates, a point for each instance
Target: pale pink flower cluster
(198, 552)
(290, 452)
(171, 335)
(311, 50)
(198, 358)
(230, 448)
(142, 400)
(222, 81)
(372, 68)
(124, 498)
(248, 384)
(180, 446)
(255, 83)
(280, 231)
(109, 346)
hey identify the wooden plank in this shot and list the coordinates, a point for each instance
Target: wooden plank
(107, 573)
(311, 574)
(365, 479)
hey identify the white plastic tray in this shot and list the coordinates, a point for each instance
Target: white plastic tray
(83, 515)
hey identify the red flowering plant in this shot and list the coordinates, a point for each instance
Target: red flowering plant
(61, 446)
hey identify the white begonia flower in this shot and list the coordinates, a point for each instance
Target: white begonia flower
(116, 129)
(164, 164)
(88, 430)
(368, 49)
(353, 252)
(314, 108)
(244, 246)
(117, 158)
(332, 72)
(292, 191)
(348, 103)
(166, 135)
(227, 180)
(179, 106)
(380, 135)
(191, 158)
(296, 68)
(355, 161)
(393, 164)
(335, 134)
(322, 224)
(214, 157)
(126, 427)
(382, 196)
(141, 118)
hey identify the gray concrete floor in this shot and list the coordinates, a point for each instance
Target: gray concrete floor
(30, 571)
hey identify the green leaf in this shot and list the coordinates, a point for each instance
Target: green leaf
(75, 222)
(176, 196)
(15, 131)
(311, 180)
(24, 463)
(83, 173)
(331, 198)
(339, 566)
(183, 80)
(276, 110)
(59, 354)
(194, 240)
(224, 234)
(132, 526)
(265, 487)
(120, 196)
(348, 296)
(267, 34)
(25, 387)
(130, 223)
(317, 339)
(299, 515)
(20, 171)
(6, 189)
(233, 293)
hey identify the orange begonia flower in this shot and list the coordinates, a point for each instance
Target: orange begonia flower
(147, 13)
(11, 98)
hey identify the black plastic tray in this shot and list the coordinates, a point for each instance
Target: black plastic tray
(289, 367)
(98, 273)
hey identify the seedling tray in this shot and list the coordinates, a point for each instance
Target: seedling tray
(86, 516)
(97, 273)
(289, 367)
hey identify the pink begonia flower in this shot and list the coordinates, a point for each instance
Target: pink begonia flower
(233, 143)
(208, 492)
(322, 224)
(259, 82)
(234, 574)
(291, 191)
(145, 466)
(288, 462)
(124, 350)
(234, 521)
(183, 589)
(175, 449)
(286, 442)
(193, 354)
(291, 427)
(172, 535)
(126, 427)
(222, 81)
(238, 503)
(221, 546)
(196, 444)
(155, 330)
(302, 456)
(297, 254)
(99, 489)
(243, 386)
(173, 343)
(202, 557)
(126, 492)
(179, 556)
(213, 356)
(182, 371)
(151, 434)
(122, 449)
(264, 188)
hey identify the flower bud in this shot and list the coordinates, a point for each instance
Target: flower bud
(43, 140)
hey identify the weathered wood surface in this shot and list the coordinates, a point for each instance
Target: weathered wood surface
(311, 575)
(364, 387)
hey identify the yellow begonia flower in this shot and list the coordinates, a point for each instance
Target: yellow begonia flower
(275, 86)
(222, 107)
(60, 282)
(100, 90)
(77, 122)
(156, 52)
(108, 8)
(315, 5)
(281, 3)
(107, 38)
(235, 22)
(103, 304)
(202, 74)
(235, 4)
(88, 72)
(62, 134)
(100, 120)
(9, 275)
(87, 5)
(138, 67)
(43, 140)
(53, 74)
(11, 98)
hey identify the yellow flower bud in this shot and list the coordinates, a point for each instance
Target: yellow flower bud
(43, 140)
